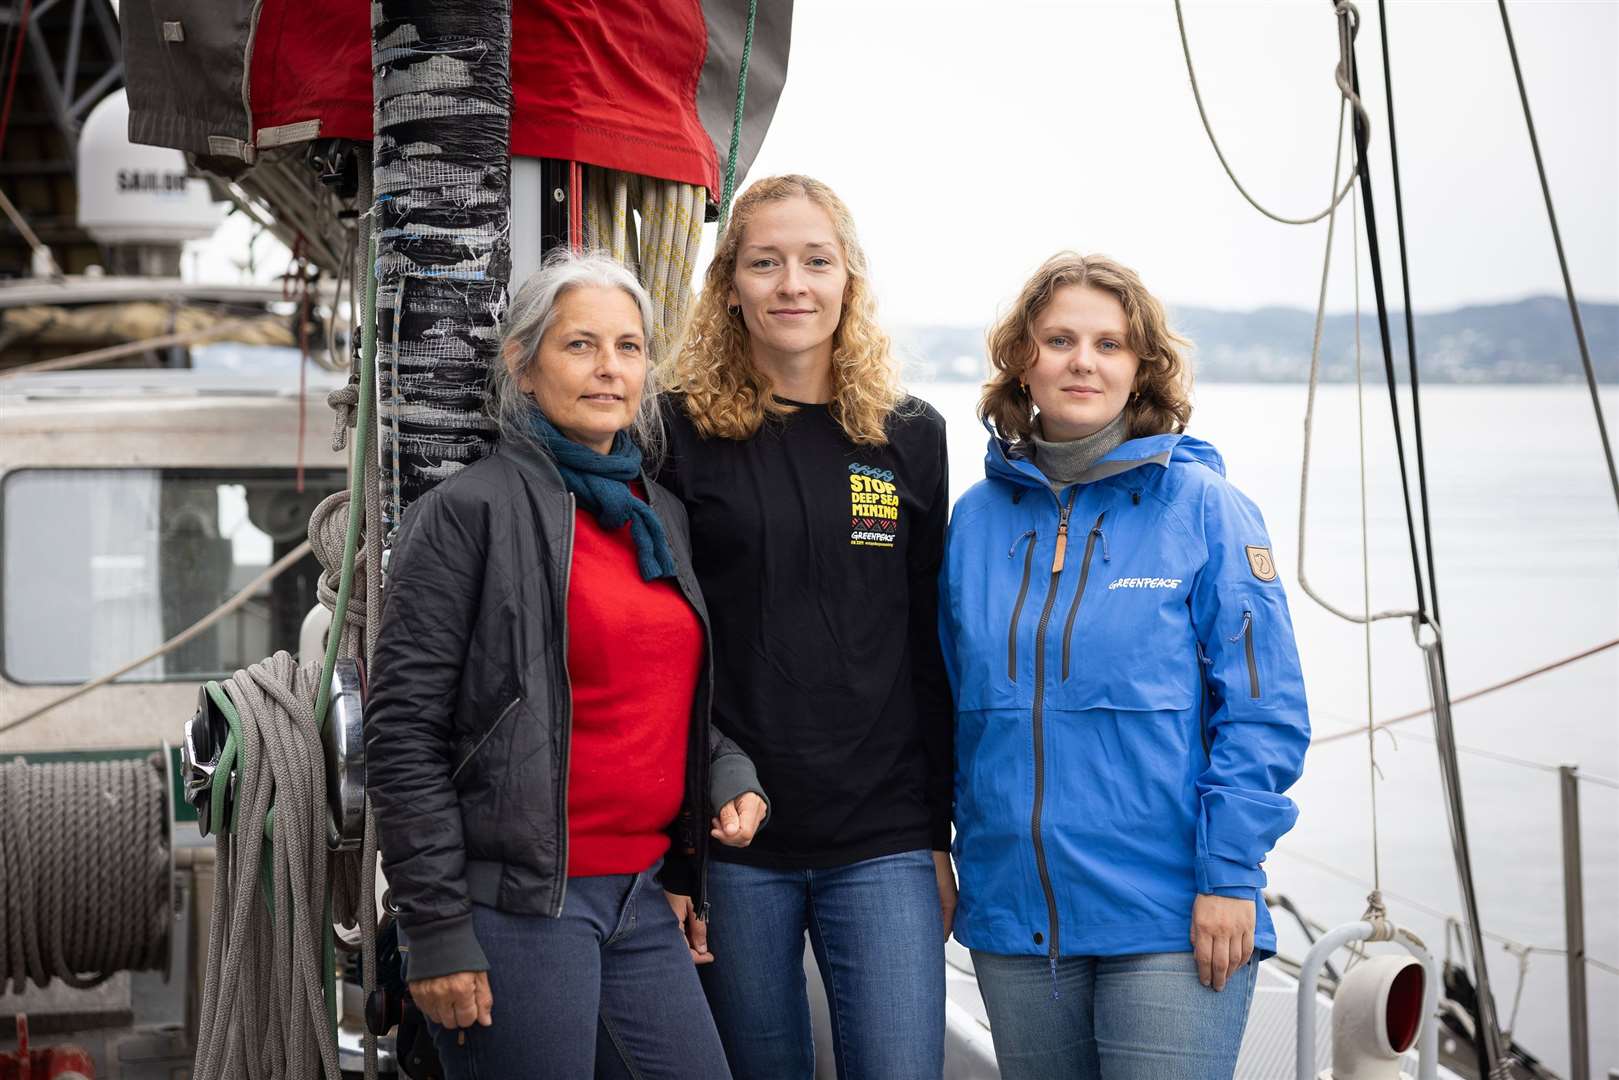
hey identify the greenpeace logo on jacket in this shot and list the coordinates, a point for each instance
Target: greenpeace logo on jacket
(1129, 704)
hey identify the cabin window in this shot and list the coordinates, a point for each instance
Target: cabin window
(100, 566)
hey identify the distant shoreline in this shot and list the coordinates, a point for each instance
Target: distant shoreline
(1523, 342)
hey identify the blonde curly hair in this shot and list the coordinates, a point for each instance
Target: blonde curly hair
(1161, 401)
(725, 394)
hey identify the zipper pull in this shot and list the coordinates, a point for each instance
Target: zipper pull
(1247, 621)
(1059, 556)
(1012, 551)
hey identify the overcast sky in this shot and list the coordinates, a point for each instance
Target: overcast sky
(973, 139)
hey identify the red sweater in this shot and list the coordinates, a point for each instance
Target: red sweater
(634, 650)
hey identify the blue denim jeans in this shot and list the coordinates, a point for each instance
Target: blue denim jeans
(879, 940)
(606, 990)
(1144, 1017)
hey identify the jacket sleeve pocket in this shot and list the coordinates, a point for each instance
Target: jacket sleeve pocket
(1258, 726)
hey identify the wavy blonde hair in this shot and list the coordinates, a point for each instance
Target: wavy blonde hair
(1160, 402)
(725, 394)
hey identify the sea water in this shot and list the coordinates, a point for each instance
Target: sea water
(1526, 545)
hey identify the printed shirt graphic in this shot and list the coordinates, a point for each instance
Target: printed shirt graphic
(874, 506)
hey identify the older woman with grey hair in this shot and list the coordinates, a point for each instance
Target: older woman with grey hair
(540, 753)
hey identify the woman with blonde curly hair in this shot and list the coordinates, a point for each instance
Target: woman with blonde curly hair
(818, 495)
(1129, 705)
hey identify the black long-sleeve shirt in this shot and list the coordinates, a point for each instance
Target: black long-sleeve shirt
(819, 562)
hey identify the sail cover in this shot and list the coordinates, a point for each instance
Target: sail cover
(646, 86)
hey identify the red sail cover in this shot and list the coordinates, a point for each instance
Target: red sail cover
(614, 84)
(312, 62)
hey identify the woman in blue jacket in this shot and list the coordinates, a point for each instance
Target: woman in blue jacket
(1129, 705)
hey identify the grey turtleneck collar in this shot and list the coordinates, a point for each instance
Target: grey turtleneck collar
(1064, 463)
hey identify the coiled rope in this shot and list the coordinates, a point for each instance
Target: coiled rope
(264, 1011)
(265, 1003)
(270, 994)
(84, 871)
(664, 254)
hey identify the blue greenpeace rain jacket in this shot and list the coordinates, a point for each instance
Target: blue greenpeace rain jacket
(1129, 704)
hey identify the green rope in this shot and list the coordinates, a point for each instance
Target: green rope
(351, 542)
(228, 753)
(227, 761)
(736, 120)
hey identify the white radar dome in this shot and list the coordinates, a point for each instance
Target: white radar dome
(132, 194)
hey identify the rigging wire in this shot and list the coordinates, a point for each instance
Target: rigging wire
(1562, 259)
(1373, 772)
(1473, 695)
(1410, 323)
(1197, 95)
(1492, 1062)
(1428, 909)
(1315, 378)
(1521, 762)
(11, 73)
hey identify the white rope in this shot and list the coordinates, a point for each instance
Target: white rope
(243, 595)
(1373, 772)
(20, 223)
(664, 254)
(222, 329)
(1347, 14)
(1309, 402)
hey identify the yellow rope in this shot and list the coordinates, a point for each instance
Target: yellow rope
(654, 227)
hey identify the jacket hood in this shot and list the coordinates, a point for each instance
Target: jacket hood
(1000, 463)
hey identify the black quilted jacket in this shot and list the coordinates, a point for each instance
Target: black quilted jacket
(469, 718)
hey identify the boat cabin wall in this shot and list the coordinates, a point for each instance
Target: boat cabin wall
(126, 516)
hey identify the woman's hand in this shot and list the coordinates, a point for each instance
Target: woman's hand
(1222, 937)
(695, 929)
(946, 873)
(738, 820)
(455, 1001)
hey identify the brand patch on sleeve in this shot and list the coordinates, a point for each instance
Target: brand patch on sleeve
(1260, 562)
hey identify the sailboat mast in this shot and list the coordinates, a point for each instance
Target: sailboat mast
(442, 86)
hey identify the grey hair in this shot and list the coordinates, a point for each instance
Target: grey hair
(533, 311)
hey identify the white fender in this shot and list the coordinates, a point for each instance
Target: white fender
(312, 634)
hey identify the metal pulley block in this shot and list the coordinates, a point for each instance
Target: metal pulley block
(344, 739)
(200, 749)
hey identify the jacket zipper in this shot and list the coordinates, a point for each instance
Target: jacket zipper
(1017, 608)
(485, 737)
(1057, 560)
(566, 748)
(1079, 593)
(1246, 635)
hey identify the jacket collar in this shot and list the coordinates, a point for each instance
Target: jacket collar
(1003, 461)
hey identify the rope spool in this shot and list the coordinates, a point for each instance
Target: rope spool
(263, 993)
(84, 870)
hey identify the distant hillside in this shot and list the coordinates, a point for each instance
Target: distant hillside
(1527, 341)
